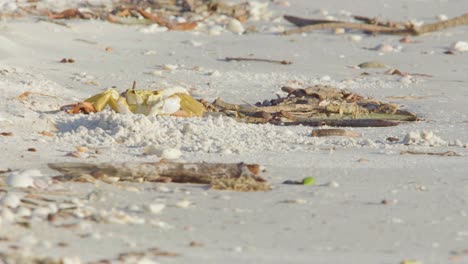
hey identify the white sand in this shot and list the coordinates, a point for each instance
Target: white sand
(426, 214)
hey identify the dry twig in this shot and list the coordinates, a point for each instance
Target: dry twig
(284, 62)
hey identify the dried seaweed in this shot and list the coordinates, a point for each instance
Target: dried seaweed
(225, 176)
(316, 106)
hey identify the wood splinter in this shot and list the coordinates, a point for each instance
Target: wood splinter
(224, 176)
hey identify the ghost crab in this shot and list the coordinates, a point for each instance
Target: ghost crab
(174, 101)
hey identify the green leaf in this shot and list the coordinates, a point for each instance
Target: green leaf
(308, 181)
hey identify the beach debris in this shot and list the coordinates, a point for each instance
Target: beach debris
(372, 65)
(230, 176)
(372, 25)
(174, 101)
(306, 181)
(318, 105)
(284, 62)
(334, 133)
(65, 60)
(444, 154)
(392, 139)
(6, 134)
(32, 149)
(235, 26)
(70, 13)
(170, 15)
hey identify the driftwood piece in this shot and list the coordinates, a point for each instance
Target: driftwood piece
(388, 28)
(240, 176)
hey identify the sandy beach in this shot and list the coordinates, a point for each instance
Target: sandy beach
(370, 203)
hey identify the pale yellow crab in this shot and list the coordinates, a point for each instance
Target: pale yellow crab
(171, 101)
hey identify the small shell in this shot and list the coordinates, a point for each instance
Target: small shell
(155, 208)
(460, 46)
(334, 133)
(235, 26)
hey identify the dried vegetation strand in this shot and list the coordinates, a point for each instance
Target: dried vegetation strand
(371, 25)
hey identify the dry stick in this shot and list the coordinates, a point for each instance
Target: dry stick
(454, 22)
(349, 25)
(153, 171)
(446, 154)
(284, 62)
